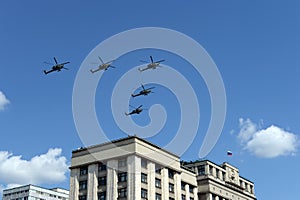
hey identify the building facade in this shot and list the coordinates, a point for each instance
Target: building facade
(129, 168)
(31, 192)
(135, 169)
(221, 182)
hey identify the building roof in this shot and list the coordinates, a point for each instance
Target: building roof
(122, 140)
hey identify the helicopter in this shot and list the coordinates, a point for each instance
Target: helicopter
(144, 92)
(57, 67)
(137, 110)
(151, 65)
(103, 66)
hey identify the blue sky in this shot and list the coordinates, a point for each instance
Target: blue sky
(255, 45)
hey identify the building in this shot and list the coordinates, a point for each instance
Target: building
(135, 169)
(220, 182)
(31, 192)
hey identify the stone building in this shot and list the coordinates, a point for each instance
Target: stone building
(135, 169)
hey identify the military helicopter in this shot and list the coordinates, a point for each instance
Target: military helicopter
(144, 92)
(151, 65)
(137, 110)
(103, 66)
(57, 67)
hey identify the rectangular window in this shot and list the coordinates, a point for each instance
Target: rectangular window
(101, 167)
(171, 173)
(171, 187)
(122, 192)
(170, 198)
(82, 185)
(83, 171)
(183, 186)
(144, 193)
(191, 188)
(102, 196)
(122, 177)
(122, 162)
(144, 163)
(158, 169)
(144, 178)
(157, 196)
(102, 180)
(182, 197)
(157, 183)
(82, 197)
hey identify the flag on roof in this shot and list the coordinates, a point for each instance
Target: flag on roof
(229, 153)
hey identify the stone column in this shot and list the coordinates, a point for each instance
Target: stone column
(209, 196)
(195, 191)
(74, 184)
(187, 191)
(151, 180)
(134, 177)
(112, 180)
(206, 169)
(217, 198)
(92, 182)
(164, 184)
(177, 186)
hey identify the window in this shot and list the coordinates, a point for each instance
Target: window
(102, 196)
(144, 163)
(144, 178)
(122, 177)
(170, 198)
(191, 189)
(171, 173)
(157, 183)
(211, 170)
(82, 197)
(122, 192)
(122, 162)
(191, 198)
(158, 169)
(183, 185)
(182, 197)
(101, 167)
(144, 193)
(157, 196)
(102, 180)
(82, 185)
(217, 173)
(171, 187)
(83, 171)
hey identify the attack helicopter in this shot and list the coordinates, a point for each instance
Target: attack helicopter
(151, 65)
(137, 110)
(57, 67)
(103, 66)
(144, 92)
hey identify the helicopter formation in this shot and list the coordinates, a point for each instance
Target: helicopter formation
(103, 66)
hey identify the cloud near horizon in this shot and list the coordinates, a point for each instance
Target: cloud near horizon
(46, 168)
(267, 143)
(3, 101)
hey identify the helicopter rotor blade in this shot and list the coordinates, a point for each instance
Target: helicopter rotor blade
(66, 68)
(100, 59)
(65, 63)
(140, 106)
(160, 61)
(112, 66)
(151, 59)
(55, 60)
(143, 87)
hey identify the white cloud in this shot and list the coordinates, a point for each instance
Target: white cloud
(3, 101)
(46, 168)
(267, 143)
